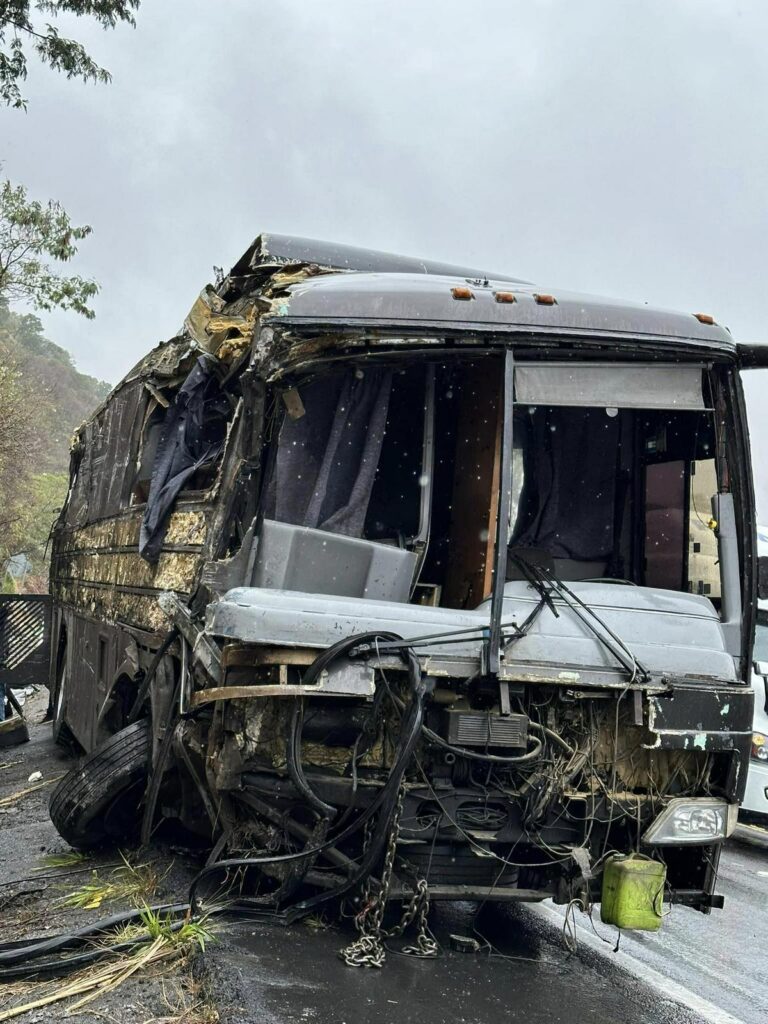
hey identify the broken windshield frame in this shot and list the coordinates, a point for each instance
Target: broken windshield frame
(629, 383)
(574, 392)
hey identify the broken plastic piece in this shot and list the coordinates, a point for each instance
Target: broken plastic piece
(293, 403)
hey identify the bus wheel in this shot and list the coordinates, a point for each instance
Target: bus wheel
(97, 802)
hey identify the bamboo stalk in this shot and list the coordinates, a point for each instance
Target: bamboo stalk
(91, 986)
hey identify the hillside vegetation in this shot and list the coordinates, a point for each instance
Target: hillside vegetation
(43, 398)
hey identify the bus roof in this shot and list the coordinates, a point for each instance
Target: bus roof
(378, 288)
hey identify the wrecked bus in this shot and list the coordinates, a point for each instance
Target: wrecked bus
(409, 580)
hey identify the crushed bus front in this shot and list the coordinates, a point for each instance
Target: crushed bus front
(467, 610)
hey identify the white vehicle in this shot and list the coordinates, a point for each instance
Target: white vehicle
(756, 795)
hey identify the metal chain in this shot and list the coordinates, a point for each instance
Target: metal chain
(368, 949)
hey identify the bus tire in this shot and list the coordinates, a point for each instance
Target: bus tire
(97, 802)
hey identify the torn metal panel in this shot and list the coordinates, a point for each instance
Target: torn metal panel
(223, 329)
(271, 251)
(702, 718)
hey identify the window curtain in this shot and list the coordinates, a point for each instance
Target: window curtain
(326, 460)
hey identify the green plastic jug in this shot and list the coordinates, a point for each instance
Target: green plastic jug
(633, 892)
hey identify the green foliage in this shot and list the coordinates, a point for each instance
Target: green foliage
(21, 26)
(67, 859)
(31, 234)
(131, 883)
(190, 933)
(43, 399)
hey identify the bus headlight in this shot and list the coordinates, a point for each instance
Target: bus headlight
(697, 820)
(759, 746)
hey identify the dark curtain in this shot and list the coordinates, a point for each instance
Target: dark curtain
(326, 460)
(193, 434)
(571, 470)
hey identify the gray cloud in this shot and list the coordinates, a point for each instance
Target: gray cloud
(609, 147)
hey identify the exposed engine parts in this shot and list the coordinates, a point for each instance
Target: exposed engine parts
(421, 791)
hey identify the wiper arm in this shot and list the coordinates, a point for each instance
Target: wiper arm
(545, 582)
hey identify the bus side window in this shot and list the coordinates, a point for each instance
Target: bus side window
(147, 449)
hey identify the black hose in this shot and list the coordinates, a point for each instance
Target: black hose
(385, 799)
(382, 797)
(33, 957)
(13, 952)
(474, 755)
(63, 965)
(295, 767)
(40, 958)
(552, 735)
(293, 742)
(412, 730)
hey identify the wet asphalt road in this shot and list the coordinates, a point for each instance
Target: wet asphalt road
(696, 969)
(280, 977)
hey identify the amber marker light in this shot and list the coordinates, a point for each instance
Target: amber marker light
(705, 318)
(460, 292)
(545, 300)
(505, 297)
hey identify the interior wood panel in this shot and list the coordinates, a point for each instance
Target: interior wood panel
(476, 487)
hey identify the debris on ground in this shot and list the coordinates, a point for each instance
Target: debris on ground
(13, 798)
(40, 872)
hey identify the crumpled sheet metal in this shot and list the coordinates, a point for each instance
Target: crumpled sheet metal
(167, 361)
(226, 329)
(223, 329)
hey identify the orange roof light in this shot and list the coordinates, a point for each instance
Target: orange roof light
(545, 300)
(704, 318)
(460, 292)
(505, 297)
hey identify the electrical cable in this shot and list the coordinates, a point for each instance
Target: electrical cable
(450, 636)
(41, 958)
(474, 755)
(385, 801)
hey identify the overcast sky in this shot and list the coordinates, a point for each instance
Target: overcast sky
(609, 146)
